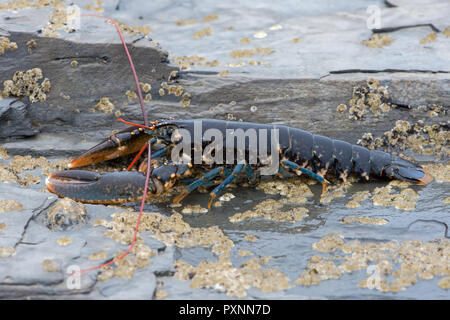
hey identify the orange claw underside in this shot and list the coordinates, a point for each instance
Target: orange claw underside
(104, 151)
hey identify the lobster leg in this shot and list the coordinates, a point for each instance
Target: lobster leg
(294, 166)
(205, 180)
(155, 155)
(250, 174)
(237, 169)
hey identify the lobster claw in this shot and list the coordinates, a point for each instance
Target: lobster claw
(120, 144)
(92, 187)
(406, 171)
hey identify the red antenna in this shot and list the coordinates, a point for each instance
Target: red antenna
(144, 114)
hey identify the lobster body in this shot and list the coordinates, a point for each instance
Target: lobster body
(294, 149)
(302, 147)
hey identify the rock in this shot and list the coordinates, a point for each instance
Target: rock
(15, 120)
(143, 287)
(75, 90)
(162, 265)
(65, 214)
(304, 92)
(302, 64)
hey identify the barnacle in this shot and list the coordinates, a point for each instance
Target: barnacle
(203, 33)
(10, 205)
(6, 44)
(50, 266)
(248, 53)
(7, 251)
(431, 37)
(27, 83)
(404, 262)
(211, 17)
(105, 106)
(378, 41)
(64, 241)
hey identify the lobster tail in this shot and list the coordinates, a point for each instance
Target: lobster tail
(407, 171)
(383, 163)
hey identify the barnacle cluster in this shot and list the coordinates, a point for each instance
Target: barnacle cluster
(133, 30)
(172, 231)
(418, 137)
(203, 33)
(96, 6)
(185, 62)
(364, 220)
(3, 153)
(50, 266)
(10, 205)
(335, 191)
(357, 198)
(378, 41)
(58, 20)
(406, 262)
(223, 276)
(64, 241)
(440, 171)
(189, 209)
(446, 32)
(99, 255)
(248, 53)
(105, 106)
(131, 95)
(250, 237)
(28, 83)
(19, 164)
(7, 45)
(404, 200)
(294, 190)
(31, 44)
(7, 251)
(271, 209)
(211, 17)
(146, 87)
(431, 37)
(176, 90)
(181, 23)
(367, 97)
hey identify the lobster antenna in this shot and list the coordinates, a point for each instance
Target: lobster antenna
(141, 101)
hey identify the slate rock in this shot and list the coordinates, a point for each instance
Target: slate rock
(15, 120)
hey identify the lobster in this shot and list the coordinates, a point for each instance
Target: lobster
(296, 151)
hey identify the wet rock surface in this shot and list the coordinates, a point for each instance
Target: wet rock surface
(270, 63)
(15, 119)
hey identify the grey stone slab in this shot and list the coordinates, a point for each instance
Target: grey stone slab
(141, 288)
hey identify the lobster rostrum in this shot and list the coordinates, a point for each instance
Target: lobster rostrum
(297, 151)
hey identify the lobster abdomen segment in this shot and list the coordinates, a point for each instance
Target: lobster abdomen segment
(322, 153)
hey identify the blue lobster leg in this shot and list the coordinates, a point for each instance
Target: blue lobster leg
(236, 171)
(283, 173)
(292, 165)
(205, 180)
(159, 153)
(250, 174)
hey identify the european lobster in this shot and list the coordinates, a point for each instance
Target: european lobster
(296, 151)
